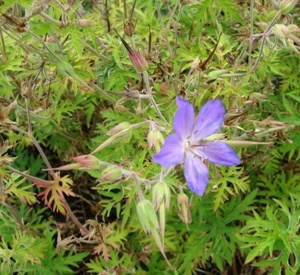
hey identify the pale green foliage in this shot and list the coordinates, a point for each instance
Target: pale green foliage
(68, 81)
(25, 252)
(228, 181)
(274, 235)
(14, 187)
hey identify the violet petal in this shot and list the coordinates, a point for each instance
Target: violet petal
(209, 120)
(184, 118)
(218, 152)
(171, 153)
(196, 174)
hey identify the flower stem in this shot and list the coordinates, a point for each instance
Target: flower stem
(148, 91)
(32, 178)
(264, 37)
(38, 147)
(251, 31)
(72, 216)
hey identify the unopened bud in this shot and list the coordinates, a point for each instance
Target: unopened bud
(123, 127)
(88, 160)
(184, 208)
(129, 28)
(161, 192)
(84, 22)
(147, 215)
(278, 30)
(287, 33)
(217, 73)
(110, 174)
(276, 4)
(119, 132)
(287, 5)
(132, 94)
(50, 39)
(294, 28)
(155, 139)
(138, 61)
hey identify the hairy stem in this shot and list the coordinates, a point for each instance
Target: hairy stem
(264, 37)
(148, 91)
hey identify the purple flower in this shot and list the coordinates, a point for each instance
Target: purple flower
(188, 144)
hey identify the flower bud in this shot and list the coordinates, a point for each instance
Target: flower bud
(147, 215)
(119, 132)
(294, 28)
(129, 28)
(84, 22)
(287, 33)
(123, 127)
(138, 61)
(276, 4)
(88, 160)
(287, 5)
(277, 30)
(50, 39)
(155, 139)
(184, 208)
(161, 192)
(110, 174)
(216, 73)
(135, 94)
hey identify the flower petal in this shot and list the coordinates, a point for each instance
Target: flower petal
(196, 174)
(209, 120)
(171, 153)
(218, 152)
(184, 118)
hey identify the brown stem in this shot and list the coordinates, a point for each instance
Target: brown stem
(72, 216)
(32, 178)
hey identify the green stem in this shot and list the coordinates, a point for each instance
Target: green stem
(49, 18)
(38, 147)
(92, 50)
(251, 31)
(264, 37)
(148, 91)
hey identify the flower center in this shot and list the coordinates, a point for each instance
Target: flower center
(187, 145)
(195, 148)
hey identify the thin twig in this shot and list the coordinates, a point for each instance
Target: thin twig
(72, 216)
(148, 91)
(251, 31)
(38, 147)
(27, 176)
(265, 34)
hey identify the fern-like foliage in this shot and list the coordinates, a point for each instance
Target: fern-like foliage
(16, 186)
(218, 233)
(229, 181)
(54, 193)
(274, 237)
